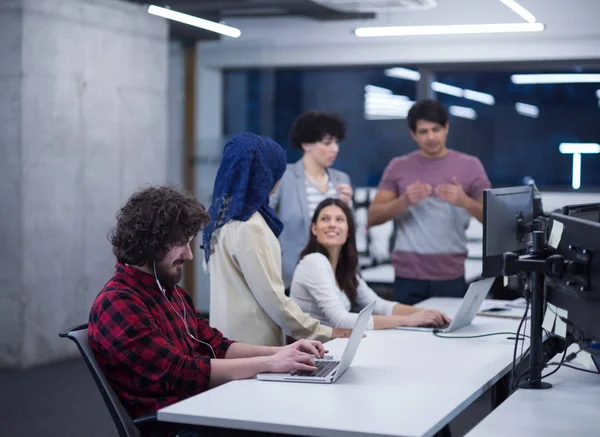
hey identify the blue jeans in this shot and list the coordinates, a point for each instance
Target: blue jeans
(412, 291)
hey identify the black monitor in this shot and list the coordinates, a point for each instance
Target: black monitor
(588, 211)
(503, 210)
(578, 290)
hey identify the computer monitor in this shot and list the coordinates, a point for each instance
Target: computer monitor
(503, 210)
(578, 290)
(588, 211)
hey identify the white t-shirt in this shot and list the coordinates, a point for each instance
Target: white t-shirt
(315, 291)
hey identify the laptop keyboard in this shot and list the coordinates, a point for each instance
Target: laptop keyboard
(323, 368)
(435, 327)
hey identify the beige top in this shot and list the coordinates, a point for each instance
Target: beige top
(247, 297)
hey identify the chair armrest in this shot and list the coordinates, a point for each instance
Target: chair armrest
(149, 426)
(150, 418)
(65, 334)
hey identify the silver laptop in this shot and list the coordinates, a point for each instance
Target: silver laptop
(329, 369)
(469, 307)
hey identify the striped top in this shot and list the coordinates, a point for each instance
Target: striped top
(431, 239)
(314, 196)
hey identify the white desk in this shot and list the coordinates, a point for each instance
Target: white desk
(400, 384)
(569, 408)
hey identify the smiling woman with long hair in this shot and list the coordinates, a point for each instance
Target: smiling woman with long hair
(326, 283)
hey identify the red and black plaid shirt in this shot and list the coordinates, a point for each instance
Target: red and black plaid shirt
(141, 344)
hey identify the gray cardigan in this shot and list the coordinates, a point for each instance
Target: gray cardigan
(289, 201)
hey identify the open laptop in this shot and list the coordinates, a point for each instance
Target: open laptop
(331, 368)
(469, 306)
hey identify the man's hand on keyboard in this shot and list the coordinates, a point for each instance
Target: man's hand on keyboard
(432, 318)
(296, 356)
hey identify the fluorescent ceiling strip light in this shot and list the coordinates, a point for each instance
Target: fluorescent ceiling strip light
(385, 98)
(443, 88)
(576, 149)
(385, 117)
(463, 112)
(377, 90)
(533, 79)
(194, 21)
(389, 103)
(568, 148)
(402, 73)
(523, 13)
(478, 96)
(451, 29)
(452, 90)
(527, 110)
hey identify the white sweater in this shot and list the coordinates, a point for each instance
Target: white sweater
(315, 290)
(247, 298)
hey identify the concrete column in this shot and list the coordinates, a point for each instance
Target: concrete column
(85, 107)
(176, 112)
(11, 213)
(209, 151)
(424, 90)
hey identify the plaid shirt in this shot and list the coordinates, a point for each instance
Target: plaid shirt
(142, 346)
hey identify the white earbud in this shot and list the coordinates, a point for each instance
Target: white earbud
(187, 329)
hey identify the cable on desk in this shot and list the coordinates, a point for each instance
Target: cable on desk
(543, 366)
(514, 362)
(437, 334)
(595, 372)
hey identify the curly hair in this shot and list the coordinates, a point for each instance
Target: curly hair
(313, 126)
(153, 221)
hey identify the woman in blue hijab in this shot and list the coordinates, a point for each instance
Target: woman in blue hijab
(243, 255)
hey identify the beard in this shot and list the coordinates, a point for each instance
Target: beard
(169, 275)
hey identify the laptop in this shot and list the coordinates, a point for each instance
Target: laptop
(469, 306)
(329, 369)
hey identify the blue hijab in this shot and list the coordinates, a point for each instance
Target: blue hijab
(250, 168)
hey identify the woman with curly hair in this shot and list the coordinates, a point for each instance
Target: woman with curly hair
(247, 297)
(308, 181)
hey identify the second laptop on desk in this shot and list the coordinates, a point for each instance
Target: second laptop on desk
(329, 370)
(467, 311)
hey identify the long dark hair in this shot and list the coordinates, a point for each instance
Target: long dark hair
(347, 266)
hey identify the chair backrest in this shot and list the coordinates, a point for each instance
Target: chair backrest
(121, 418)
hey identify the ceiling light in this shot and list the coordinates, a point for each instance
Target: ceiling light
(377, 90)
(568, 148)
(524, 13)
(381, 104)
(373, 116)
(532, 79)
(480, 97)
(402, 73)
(194, 21)
(451, 29)
(576, 149)
(443, 88)
(452, 90)
(527, 110)
(463, 112)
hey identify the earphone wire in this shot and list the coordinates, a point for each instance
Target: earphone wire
(187, 329)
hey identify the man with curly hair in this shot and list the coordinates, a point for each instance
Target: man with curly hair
(147, 337)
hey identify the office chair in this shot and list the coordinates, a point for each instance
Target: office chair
(126, 426)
